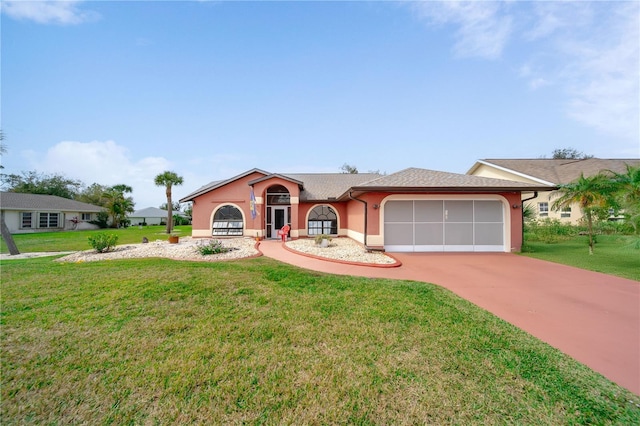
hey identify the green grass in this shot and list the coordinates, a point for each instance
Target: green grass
(613, 254)
(78, 240)
(155, 341)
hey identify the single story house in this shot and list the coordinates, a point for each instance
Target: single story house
(411, 210)
(552, 173)
(151, 216)
(37, 213)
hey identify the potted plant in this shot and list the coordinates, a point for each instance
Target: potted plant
(323, 240)
(174, 239)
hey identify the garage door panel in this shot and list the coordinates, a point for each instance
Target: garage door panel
(458, 234)
(429, 234)
(399, 234)
(488, 234)
(488, 211)
(458, 211)
(398, 211)
(429, 211)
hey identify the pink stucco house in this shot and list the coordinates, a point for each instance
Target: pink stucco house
(411, 210)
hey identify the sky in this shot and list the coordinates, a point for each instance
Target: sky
(117, 92)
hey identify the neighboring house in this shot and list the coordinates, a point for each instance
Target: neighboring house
(411, 210)
(151, 216)
(37, 213)
(550, 172)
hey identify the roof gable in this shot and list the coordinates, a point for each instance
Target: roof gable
(218, 183)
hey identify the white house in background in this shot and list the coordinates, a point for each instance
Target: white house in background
(151, 216)
(38, 213)
(551, 172)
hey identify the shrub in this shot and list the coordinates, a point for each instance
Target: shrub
(213, 247)
(321, 237)
(549, 230)
(103, 242)
(102, 219)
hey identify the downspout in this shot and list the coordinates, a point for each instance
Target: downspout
(535, 195)
(365, 219)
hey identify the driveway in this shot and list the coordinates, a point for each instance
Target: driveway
(593, 317)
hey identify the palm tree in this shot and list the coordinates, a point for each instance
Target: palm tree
(592, 194)
(168, 179)
(118, 204)
(629, 193)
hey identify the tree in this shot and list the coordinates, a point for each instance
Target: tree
(33, 182)
(628, 193)
(4, 230)
(348, 169)
(94, 194)
(593, 194)
(175, 207)
(569, 154)
(118, 204)
(168, 179)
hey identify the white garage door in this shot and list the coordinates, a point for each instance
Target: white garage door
(444, 225)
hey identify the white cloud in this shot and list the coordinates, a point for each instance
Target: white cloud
(587, 50)
(483, 30)
(65, 12)
(106, 163)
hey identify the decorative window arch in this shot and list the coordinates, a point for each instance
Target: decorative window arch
(322, 220)
(228, 221)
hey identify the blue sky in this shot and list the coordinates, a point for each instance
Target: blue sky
(117, 92)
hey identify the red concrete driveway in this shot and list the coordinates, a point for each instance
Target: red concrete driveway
(593, 317)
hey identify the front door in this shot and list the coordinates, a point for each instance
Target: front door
(278, 219)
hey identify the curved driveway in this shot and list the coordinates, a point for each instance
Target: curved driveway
(593, 317)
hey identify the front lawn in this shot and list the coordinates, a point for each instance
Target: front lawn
(77, 240)
(155, 341)
(613, 254)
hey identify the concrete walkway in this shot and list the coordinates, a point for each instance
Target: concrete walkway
(592, 317)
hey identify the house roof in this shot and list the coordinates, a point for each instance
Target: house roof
(338, 186)
(325, 186)
(424, 180)
(151, 212)
(557, 171)
(20, 201)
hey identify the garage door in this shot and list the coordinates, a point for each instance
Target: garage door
(444, 225)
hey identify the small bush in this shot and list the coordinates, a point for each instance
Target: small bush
(213, 247)
(103, 242)
(321, 237)
(102, 219)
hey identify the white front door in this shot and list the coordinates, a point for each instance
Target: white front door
(278, 219)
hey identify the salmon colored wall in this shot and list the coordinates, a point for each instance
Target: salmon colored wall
(339, 207)
(236, 193)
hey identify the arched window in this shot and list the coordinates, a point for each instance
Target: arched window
(323, 220)
(227, 221)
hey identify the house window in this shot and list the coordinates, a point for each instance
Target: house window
(49, 220)
(228, 222)
(86, 216)
(322, 220)
(26, 220)
(543, 209)
(566, 212)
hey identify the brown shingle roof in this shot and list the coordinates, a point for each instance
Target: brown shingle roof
(561, 171)
(423, 180)
(323, 186)
(20, 201)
